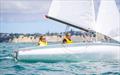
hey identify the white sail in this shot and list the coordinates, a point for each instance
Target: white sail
(78, 12)
(108, 19)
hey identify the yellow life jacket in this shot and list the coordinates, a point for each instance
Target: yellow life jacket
(68, 41)
(43, 43)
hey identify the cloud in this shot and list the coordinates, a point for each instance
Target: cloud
(24, 6)
(28, 10)
(22, 10)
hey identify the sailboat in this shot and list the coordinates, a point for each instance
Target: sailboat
(79, 14)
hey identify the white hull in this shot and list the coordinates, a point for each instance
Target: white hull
(73, 52)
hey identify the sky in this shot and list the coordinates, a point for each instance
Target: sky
(27, 16)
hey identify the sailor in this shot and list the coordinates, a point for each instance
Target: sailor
(42, 41)
(67, 39)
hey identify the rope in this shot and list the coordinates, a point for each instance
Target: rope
(67, 28)
(66, 46)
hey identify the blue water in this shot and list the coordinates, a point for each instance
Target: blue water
(9, 67)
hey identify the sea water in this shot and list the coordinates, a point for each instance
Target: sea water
(9, 67)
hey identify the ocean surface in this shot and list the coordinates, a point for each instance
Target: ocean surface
(9, 67)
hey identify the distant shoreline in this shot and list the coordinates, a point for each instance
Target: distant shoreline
(51, 37)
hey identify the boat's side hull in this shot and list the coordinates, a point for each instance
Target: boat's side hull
(70, 53)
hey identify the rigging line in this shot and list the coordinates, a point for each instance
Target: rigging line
(65, 46)
(67, 28)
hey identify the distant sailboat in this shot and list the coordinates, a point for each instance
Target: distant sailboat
(79, 14)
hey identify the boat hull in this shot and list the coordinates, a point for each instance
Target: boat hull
(74, 52)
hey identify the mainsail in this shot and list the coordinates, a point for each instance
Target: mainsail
(108, 19)
(78, 12)
(81, 13)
